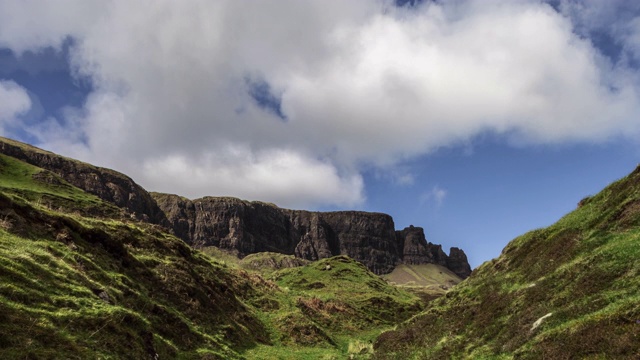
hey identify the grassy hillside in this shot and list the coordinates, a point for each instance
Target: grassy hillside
(568, 291)
(74, 286)
(44, 188)
(78, 280)
(268, 262)
(330, 309)
(429, 281)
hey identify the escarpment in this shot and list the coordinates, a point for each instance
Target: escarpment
(244, 228)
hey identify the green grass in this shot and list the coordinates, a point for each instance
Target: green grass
(344, 285)
(333, 308)
(73, 285)
(428, 281)
(266, 263)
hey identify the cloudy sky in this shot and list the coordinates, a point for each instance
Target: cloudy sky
(478, 120)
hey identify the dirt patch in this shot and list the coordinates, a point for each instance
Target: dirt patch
(629, 216)
(300, 331)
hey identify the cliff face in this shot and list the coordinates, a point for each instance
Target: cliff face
(458, 263)
(416, 250)
(106, 184)
(248, 227)
(360, 235)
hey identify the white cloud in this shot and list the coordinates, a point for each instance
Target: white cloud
(362, 84)
(435, 195)
(14, 101)
(398, 175)
(286, 176)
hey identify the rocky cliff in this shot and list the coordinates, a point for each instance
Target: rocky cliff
(458, 263)
(416, 250)
(106, 184)
(245, 227)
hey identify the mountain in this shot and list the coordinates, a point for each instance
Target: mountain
(93, 266)
(82, 279)
(569, 291)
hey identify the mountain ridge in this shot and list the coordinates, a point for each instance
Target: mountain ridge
(247, 227)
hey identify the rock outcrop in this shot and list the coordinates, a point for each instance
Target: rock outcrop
(106, 184)
(416, 250)
(458, 263)
(245, 228)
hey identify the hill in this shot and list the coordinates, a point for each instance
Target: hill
(569, 291)
(429, 281)
(78, 285)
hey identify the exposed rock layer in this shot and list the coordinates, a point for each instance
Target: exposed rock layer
(416, 250)
(248, 227)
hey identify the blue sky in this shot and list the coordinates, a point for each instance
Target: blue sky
(477, 120)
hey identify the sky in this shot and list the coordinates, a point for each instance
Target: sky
(477, 120)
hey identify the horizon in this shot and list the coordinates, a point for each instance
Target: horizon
(475, 120)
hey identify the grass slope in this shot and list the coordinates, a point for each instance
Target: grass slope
(568, 291)
(331, 309)
(429, 281)
(44, 188)
(70, 289)
(267, 263)
(77, 286)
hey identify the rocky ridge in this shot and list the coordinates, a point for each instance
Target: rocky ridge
(245, 227)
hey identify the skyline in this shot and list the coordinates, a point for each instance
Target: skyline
(476, 120)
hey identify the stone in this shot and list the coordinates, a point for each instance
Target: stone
(415, 249)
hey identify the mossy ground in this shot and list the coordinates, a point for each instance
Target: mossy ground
(583, 270)
(78, 280)
(330, 309)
